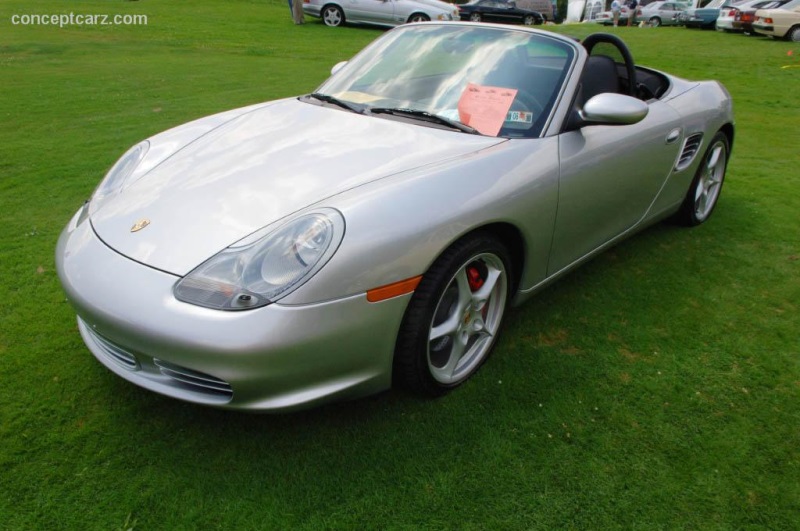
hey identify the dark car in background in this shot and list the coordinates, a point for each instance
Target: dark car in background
(499, 11)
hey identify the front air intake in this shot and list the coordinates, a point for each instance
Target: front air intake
(194, 380)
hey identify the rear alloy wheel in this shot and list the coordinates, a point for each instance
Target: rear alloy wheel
(475, 17)
(419, 17)
(453, 319)
(654, 22)
(704, 192)
(529, 20)
(794, 34)
(332, 16)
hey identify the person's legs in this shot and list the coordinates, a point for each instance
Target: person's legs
(297, 12)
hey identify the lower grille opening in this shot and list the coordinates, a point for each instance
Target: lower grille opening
(121, 356)
(194, 380)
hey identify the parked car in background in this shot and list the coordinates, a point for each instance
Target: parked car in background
(744, 18)
(727, 14)
(606, 18)
(704, 17)
(545, 7)
(661, 13)
(782, 22)
(378, 12)
(498, 11)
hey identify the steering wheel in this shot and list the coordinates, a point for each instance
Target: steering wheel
(529, 101)
(596, 38)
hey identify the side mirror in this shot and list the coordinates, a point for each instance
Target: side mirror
(613, 109)
(338, 66)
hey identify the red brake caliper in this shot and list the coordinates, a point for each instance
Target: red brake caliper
(474, 278)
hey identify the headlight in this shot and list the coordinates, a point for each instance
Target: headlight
(257, 273)
(117, 177)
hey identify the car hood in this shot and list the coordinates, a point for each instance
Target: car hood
(444, 6)
(257, 169)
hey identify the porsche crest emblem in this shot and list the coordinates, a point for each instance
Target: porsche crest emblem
(139, 225)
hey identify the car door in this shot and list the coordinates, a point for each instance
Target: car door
(505, 12)
(490, 10)
(610, 175)
(668, 12)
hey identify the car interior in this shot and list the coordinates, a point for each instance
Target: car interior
(610, 68)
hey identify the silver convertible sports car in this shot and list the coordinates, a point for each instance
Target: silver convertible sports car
(378, 229)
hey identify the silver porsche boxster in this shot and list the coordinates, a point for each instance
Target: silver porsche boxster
(378, 229)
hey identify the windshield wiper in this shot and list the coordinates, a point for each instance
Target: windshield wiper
(336, 101)
(425, 116)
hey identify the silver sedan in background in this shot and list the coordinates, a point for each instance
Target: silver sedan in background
(661, 13)
(379, 12)
(378, 229)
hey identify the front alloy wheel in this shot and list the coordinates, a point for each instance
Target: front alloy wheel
(475, 17)
(332, 16)
(454, 316)
(528, 20)
(704, 192)
(419, 17)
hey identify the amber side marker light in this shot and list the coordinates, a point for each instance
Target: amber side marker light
(394, 289)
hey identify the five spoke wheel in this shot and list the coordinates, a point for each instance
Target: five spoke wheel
(467, 318)
(454, 317)
(332, 16)
(704, 192)
(709, 181)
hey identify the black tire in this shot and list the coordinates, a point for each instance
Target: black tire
(703, 193)
(654, 22)
(332, 16)
(463, 298)
(419, 17)
(475, 17)
(793, 34)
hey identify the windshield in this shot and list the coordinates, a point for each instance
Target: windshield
(501, 82)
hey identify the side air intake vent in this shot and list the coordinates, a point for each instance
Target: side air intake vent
(690, 148)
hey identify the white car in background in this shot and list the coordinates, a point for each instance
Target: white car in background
(606, 18)
(779, 23)
(727, 14)
(379, 12)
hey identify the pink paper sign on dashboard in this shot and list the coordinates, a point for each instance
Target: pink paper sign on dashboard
(484, 107)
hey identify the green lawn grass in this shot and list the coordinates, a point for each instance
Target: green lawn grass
(656, 387)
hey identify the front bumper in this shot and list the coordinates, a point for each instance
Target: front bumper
(274, 358)
(726, 24)
(694, 21)
(312, 10)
